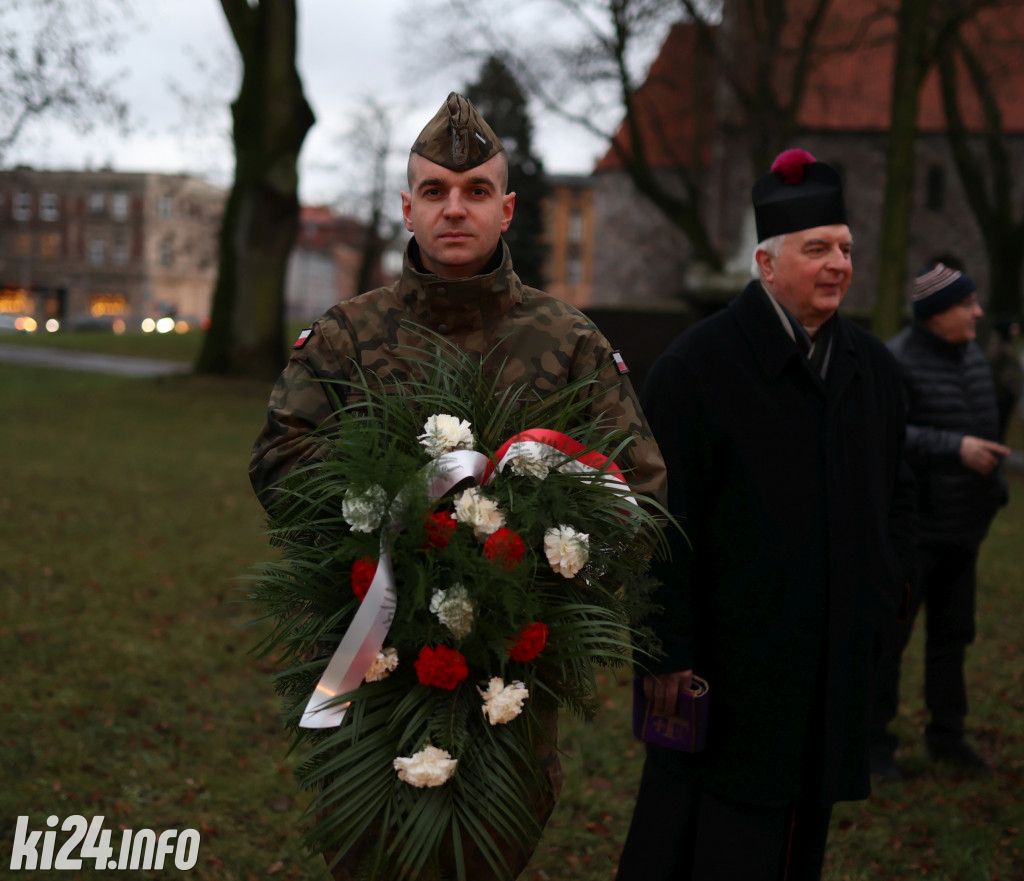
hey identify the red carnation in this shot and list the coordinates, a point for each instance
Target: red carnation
(505, 548)
(439, 526)
(363, 571)
(441, 666)
(789, 165)
(530, 642)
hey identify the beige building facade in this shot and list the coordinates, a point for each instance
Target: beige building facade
(93, 247)
(569, 236)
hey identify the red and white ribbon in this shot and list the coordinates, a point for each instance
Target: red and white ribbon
(566, 454)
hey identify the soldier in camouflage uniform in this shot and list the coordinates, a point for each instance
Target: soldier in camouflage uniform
(458, 281)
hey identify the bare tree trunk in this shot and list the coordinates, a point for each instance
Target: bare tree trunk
(987, 181)
(911, 65)
(271, 118)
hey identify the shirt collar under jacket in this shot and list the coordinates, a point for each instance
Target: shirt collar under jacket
(818, 355)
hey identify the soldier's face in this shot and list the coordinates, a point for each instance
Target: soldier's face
(812, 272)
(457, 216)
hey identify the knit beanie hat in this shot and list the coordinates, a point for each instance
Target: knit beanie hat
(937, 288)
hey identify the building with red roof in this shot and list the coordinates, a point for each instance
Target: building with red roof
(688, 118)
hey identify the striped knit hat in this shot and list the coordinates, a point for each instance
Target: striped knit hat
(937, 288)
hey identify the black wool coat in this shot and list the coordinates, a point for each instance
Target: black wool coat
(791, 493)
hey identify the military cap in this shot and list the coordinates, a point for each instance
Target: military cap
(798, 193)
(458, 137)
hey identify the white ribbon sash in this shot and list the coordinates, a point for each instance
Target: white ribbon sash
(365, 636)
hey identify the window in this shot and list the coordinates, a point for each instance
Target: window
(574, 265)
(97, 202)
(935, 188)
(49, 207)
(120, 253)
(14, 300)
(22, 206)
(576, 225)
(49, 244)
(574, 271)
(119, 206)
(164, 209)
(108, 304)
(166, 253)
(97, 251)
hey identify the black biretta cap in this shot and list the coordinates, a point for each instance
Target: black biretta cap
(798, 193)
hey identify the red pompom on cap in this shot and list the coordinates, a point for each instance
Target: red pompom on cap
(789, 165)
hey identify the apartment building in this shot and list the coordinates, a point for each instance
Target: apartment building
(97, 246)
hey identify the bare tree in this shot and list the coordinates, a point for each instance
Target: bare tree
(587, 66)
(47, 54)
(762, 52)
(270, 120)
(203, 126)
(923, 26)
(369, 144)
(986, 167)
(765, 60)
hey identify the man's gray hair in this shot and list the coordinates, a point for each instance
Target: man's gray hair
(772, 245)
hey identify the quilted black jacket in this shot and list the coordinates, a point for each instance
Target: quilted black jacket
(949, 394)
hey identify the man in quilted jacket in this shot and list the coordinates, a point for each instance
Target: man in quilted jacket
(952, 431)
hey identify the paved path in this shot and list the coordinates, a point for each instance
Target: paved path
(121, 365)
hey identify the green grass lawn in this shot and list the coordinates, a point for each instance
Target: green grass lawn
(127, 689)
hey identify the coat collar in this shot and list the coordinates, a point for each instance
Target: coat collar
(459, 305)
(774, 348)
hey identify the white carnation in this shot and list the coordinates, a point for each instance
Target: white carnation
(502, 703)
(474, 509)
(525, 462)
(566, 549)
(453, 609)
(443, 434)
(429, 767)
(364, 511)
(383, 664)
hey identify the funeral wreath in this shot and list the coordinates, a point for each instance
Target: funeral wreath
(451, 569)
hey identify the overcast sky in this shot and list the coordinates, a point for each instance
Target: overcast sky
(348, 49)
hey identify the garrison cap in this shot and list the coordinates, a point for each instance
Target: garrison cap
(458, 137)
(798, 193)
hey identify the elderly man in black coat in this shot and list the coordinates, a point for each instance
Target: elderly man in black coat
(782, 426)
(953, 450)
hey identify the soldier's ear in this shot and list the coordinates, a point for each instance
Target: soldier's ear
(407, 210)
(508, 205)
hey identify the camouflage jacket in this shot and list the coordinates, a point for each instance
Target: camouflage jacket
(542, 342)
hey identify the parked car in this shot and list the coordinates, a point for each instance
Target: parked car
(100, 323)
(10, 323)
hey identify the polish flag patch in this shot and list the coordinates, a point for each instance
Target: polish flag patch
(304, 335)
(620, 363)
